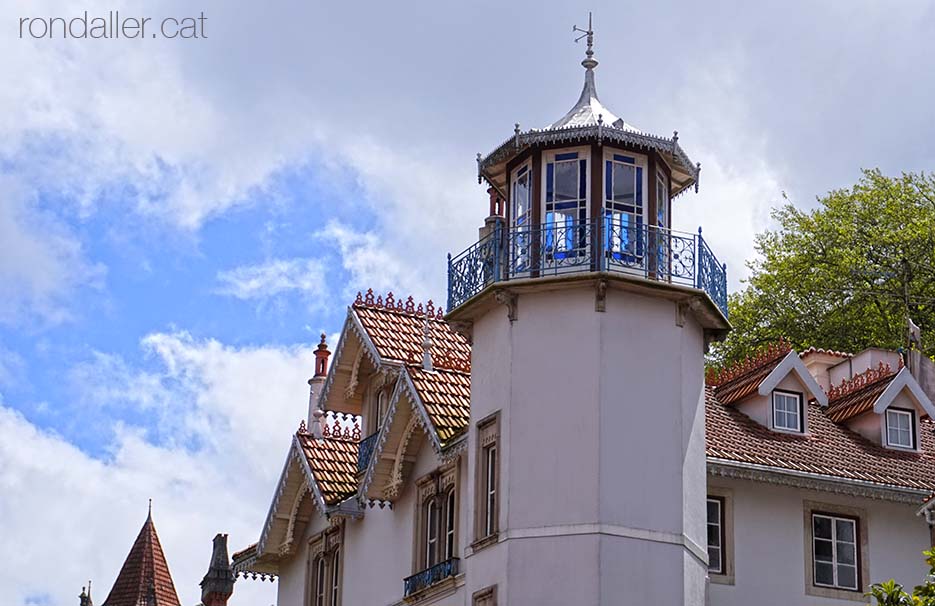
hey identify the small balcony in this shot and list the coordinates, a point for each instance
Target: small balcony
(365, 451)
(430, 576)
(553, 249)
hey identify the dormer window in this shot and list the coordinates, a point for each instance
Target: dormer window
(900, 428)
(787, 411)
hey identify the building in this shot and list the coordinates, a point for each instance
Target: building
(144, 578)
(544, 441)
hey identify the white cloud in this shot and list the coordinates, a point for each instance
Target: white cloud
(239, 405)
(40, 260)
(305, 277)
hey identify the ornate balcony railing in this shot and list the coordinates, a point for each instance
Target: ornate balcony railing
(532, 251)
(430, 576)
(365, 451)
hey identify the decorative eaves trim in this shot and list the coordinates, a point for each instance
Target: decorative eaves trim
(280, 488)
(577, 133)
(813, 481)
(380, 443)
(903, 379)
(793, 363)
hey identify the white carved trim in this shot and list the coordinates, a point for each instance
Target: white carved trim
(904, 380)
(793, 363)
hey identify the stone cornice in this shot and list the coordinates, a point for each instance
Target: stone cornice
(812, 481)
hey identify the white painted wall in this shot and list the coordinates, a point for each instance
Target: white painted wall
(602, 425)
(769, 544)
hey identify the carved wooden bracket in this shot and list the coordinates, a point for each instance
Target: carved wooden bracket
(505, 297)
(600, 296)
(465, 329)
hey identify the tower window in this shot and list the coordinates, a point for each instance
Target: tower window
(623, 209)
(566, 207)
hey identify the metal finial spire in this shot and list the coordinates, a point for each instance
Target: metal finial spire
(590, 62)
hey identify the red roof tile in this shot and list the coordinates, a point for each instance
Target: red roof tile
(446, 395)
(397, 331)
(857, 395)
(144, 573)
(828, 449)
(740, 380)
(333, 462)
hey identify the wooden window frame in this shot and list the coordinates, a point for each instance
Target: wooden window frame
(487, 513)
(326, 567)
(434, 492)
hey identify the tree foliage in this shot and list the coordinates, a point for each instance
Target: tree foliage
(891, 593)
(845, 275)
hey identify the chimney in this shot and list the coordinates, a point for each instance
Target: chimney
(218, 584)
(318, 379)
(496, 213)
(86, 597)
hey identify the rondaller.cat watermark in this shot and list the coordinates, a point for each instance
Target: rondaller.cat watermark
(112, 26)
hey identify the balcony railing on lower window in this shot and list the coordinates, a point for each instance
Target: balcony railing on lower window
(430, 576)
(611, 244)
(365, 451)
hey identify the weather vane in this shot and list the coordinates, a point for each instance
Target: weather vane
(586, 33)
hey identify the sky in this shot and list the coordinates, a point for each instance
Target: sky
(180, 219)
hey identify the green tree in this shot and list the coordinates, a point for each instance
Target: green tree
(845, 275)
(891, 593)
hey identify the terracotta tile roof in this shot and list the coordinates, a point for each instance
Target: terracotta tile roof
(144, 573)
(857, 395)
(740, 380)
(333, 461)
(829, 449)
(396, 329)
(446, 395)
(244, 553)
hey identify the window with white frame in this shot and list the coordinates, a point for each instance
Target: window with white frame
(662, 199)
(320, 576)
(431, 533)
(336, 578)
(716, 535)
(787, 411)
(834, 552)
(451, 505)
(900, 428)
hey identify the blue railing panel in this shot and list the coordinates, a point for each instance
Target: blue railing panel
(615, 245)
(365, 451)
(430, 576)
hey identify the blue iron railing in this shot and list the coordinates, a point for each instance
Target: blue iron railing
(430, 576)
(365, 451)
(531, 251)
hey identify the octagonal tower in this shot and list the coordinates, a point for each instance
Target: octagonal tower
(589, 319)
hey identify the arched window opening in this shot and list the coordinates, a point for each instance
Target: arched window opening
(450, 521)
(335, 578)
(431, 537)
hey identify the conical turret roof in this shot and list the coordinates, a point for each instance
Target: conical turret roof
(144, 579)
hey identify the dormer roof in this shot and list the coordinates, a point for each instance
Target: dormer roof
(858, 395)
(743, 379)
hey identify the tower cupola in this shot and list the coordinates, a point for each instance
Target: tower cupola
(589, 195)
